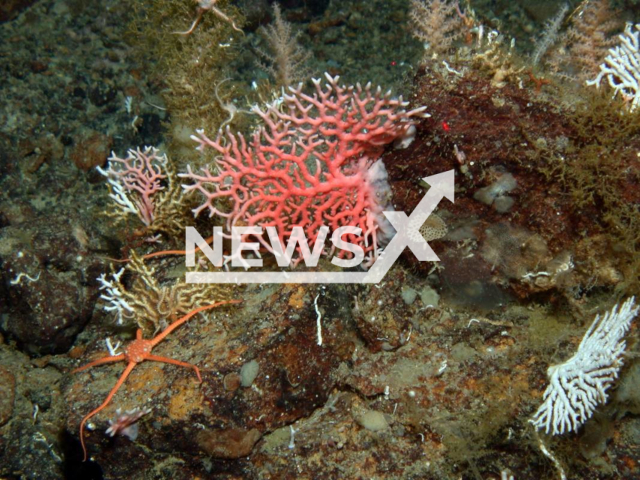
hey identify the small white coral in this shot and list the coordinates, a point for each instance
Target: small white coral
(579, 385)
(622, 67)
(113, 296)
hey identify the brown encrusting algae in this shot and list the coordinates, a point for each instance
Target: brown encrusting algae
(512, 357)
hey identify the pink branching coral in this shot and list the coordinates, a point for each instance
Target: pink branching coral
(314, 162)
(135, 180)
(143, 185)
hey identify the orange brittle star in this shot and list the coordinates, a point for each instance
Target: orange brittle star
(203, 7)
(136, 352)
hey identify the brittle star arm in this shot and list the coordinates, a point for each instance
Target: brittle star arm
(162, 253)
(195, 23)
(143, 352)
(100, 361)
(205, 6)
(123, 377)
(167, 331)
(226, 19)
(157, 358)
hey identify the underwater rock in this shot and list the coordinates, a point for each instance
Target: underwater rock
(372, 420)
(496, 193)
(229, 443)
(381, 316)
(561, 190)
(91, 151)
(273, 329)
(7, 394)
(51, 288)
(513, 251)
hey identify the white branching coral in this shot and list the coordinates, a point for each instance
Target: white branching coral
(622, 67)
(114, 296)
(579, 385)
(149, 300)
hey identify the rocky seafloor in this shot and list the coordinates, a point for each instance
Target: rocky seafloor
(431, 374)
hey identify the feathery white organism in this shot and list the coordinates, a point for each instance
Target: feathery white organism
(579, 385)
(622, 67)
(114, 297)
(549, 34)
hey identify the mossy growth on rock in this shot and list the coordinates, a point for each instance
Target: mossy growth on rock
(601, 172)
(189, 67)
